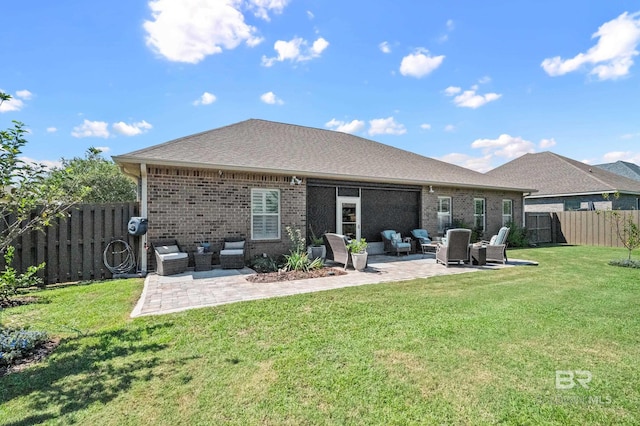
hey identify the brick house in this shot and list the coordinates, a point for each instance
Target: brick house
(254, 178)
(565, 184)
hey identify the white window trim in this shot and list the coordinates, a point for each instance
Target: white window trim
(264, 191)
(483, 214)
(441, 214)
(510, 215)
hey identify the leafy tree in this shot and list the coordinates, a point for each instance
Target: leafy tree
(93, 179)
(27, 200)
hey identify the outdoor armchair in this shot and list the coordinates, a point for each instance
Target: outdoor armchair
(338, 244)
(170, 259)
(232, 253)
(497, 246)
(393, 242)
(421, 235)
(456, 248)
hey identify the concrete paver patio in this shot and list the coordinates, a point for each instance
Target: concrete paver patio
(168, 294)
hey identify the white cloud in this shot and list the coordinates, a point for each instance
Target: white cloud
(629, 135)
(132, 129)
(450, 25)
(353, 126)
(547, 143)
(310, 15)
(470, 98)
(484, 80)
(190, 30)
(24, 94)
(479, 164)
(449, 128)
(13, 104)
(104, 149)
(425, 126)
(420, 63)
(631, 157)
(48, 164)
(384, 47)
(296, 50)
(452, 90)
(611, 57)
(504, 146)
(91, 129)
(386, 126)
(271, 99)
(51, 129)
(206, 99)
(261, 8)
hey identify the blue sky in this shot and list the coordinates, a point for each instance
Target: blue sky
(473, 83)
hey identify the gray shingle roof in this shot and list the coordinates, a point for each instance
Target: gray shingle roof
(554, 174)
(266, 146)
(622, 168)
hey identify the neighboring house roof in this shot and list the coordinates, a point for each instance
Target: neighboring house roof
(555, 175)
(270, 147)
(622, 168)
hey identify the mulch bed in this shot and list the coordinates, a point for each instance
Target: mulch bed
(38, 354)
(17, 301)
(271, 277)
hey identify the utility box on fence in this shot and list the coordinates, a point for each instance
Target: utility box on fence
(137, 226)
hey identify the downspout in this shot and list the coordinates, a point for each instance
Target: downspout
(143, 213)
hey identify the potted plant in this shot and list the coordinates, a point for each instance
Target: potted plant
(358, 249)
(203, 245)
(317, 248)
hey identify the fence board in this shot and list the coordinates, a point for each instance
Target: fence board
(73, 246)
(580, 227)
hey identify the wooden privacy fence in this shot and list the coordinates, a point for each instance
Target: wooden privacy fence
(589, 228)
(73, 246)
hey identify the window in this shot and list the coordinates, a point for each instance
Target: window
(265, 214)
(507, 212)
(478, 214)
(571, 205)
(444, 213)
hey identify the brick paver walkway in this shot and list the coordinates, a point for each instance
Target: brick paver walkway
(168, 294)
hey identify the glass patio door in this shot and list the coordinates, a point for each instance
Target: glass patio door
(348, 216)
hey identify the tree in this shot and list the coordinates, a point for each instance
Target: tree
(93, 179)
(626, 229)
(27, 200)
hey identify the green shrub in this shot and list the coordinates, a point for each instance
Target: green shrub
(17, 344)
(264, 264)
(626, 263)
(517, 235)
(11, 281)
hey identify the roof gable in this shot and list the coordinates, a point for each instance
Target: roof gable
(266, 146)
(554, 174)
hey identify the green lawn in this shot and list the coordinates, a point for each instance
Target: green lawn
(477, 348)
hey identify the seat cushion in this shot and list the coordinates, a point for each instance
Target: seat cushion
(234, 245)
(231, 252)
(167, 249)
(172, 256)
(402, 245)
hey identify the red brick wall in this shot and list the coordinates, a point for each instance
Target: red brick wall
(185, 204)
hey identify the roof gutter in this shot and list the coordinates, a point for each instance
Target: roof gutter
(571, 194)
(123, 160)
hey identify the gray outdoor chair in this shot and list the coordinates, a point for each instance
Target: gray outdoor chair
(170, 259)
(456, 247)
(497, 246)
(393, 242)
(338, 244)
(232, 253)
